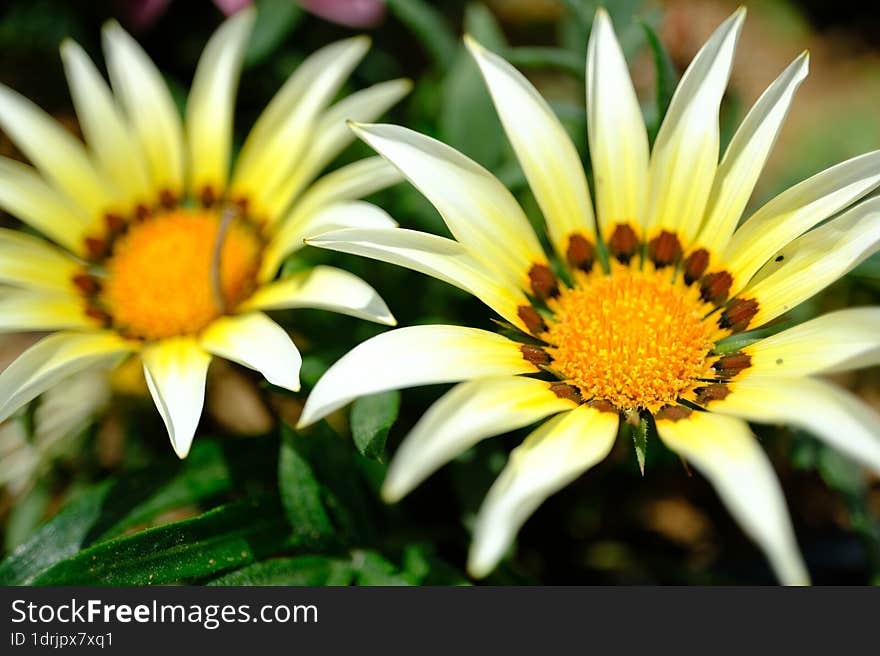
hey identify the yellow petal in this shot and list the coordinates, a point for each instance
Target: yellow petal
(815, 260)
(407, 357)
(323, 288)
(115, 147)
(175, 370)
(149, 106)
(281, 134)
(478, 210)
(725, 451)
(470, 412)
(548, 460)
(442, 258)
(54, 151)
(255, 341)
(686, 149)
(332, 134)
(795, 211)
(53, 359)
(209, 109)
(618, 139)
(32, 263)
(544, 149)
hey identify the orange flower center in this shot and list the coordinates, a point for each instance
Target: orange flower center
(634, 338)
(166, 278)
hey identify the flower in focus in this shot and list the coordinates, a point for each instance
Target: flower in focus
(158, 250)
(643, 315)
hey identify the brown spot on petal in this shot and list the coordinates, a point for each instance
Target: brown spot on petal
(738, 315)
(535, 354)
(207, 196)
(114, 223)
(141, 212)
(532, 319)
(99, 314)
(167, 198)
(580, 253)
(730, 365)
(566, 391)
(96, 248)
(542, 281)
(602, 405)
(664, 249)
(695, 265)
(86, 284)
(715, 287)
(713, 392)
(673, 413)
(624, 243)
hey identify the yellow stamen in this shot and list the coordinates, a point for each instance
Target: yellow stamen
(160, 273)
(634, 338)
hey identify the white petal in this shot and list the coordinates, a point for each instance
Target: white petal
(444, 259)
(25, 195)
(348, 214)
(26, 310)
(175, 370)
(52, 359)
(544, 149)
(350, 182)
(795, 211)
(725, 451)
(407, 357)
(685, 152)
(468, 413)
(54, 151)
(815, 260)
(284, 129)
(479, 211)
(32, 263)
(116, 150)
(149, 106)
(832, 414)
(548, 460)
(324, 288)
(332, 134)
(209, 109)
(618, 139)
(255, 341)
(838, 341)
(745, 156)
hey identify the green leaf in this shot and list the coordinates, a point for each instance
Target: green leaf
(114, 505)
(299, 570)
(275, 20)
(301, 493)
(468, 121)
(429, 26)
(640, 427)
(371, 568)
(552, 58)
(667, 77)
(221, 539)
(371, 418)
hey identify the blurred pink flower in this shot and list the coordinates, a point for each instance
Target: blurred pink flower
(352, 13)
(141, 14)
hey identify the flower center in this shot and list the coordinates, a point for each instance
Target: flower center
(633, 338)
(167, 278)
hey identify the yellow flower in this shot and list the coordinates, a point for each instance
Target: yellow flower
(158, 249)
(642, 315)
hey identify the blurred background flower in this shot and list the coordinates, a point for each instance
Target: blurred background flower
(142, 14)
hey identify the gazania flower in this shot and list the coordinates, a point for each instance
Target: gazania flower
(642, 314)
(158, 250)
